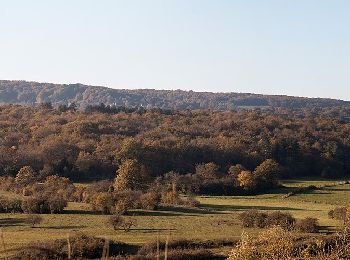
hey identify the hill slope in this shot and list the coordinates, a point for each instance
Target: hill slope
(24, 92)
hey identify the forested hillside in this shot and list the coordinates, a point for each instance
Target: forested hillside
(85, 145)
(23, 92)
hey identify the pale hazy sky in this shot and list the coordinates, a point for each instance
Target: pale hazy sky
(294, 47)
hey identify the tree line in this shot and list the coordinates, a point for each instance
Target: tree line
(24, 92)
(214, 149)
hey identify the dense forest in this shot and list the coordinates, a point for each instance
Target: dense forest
(95, 143)
(22, 92)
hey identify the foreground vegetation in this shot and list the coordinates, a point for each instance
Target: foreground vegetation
(216, 219)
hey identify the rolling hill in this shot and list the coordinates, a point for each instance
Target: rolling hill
(24, 92)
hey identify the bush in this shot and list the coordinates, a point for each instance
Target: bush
(57, 204)
(100, 186)
(338, 213)
(170, 198)
(128, 225)
(116, 221)
(149, 200)
(253, 218)
(34, 205)
(44, 205)
(284, 220)
(307, 225)
(10, 205)
(125, 201)
(218, 187)
(103, 202)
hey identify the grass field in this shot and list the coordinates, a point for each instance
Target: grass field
(216, 219)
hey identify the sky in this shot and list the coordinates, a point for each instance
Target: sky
(290, 47)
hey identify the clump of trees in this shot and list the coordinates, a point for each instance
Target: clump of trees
(264, 177)
(93, 145)
(122, 202)
(10, 205)
(50, 196)
(258, 219)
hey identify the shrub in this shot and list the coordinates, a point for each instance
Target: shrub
(273, 243)
(207, 170)
(55, 184)
(103, 202)
(253, 218)
(284, 220)
(82, 246)
(191, 202)
(127, 225)
(99, 186)
(307, 225)
(33, 220)
(56, 204)
(116, 221)
(149, 200)
(34, 205)
(338, 213)
(222, 186)
(10, 205)
(170, 198)
(125, 201)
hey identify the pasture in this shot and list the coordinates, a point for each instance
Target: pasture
(215, 219)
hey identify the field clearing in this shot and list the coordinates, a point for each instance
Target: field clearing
(216, 219)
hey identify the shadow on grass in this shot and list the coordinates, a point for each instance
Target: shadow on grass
(219, 208)
(152, 230)
(335, 189)
(11, 222)
(327, 229)
(80, 212)
(174, 211)
(157, 213)
(63, 227)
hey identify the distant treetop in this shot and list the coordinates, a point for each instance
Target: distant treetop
(34, 93)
